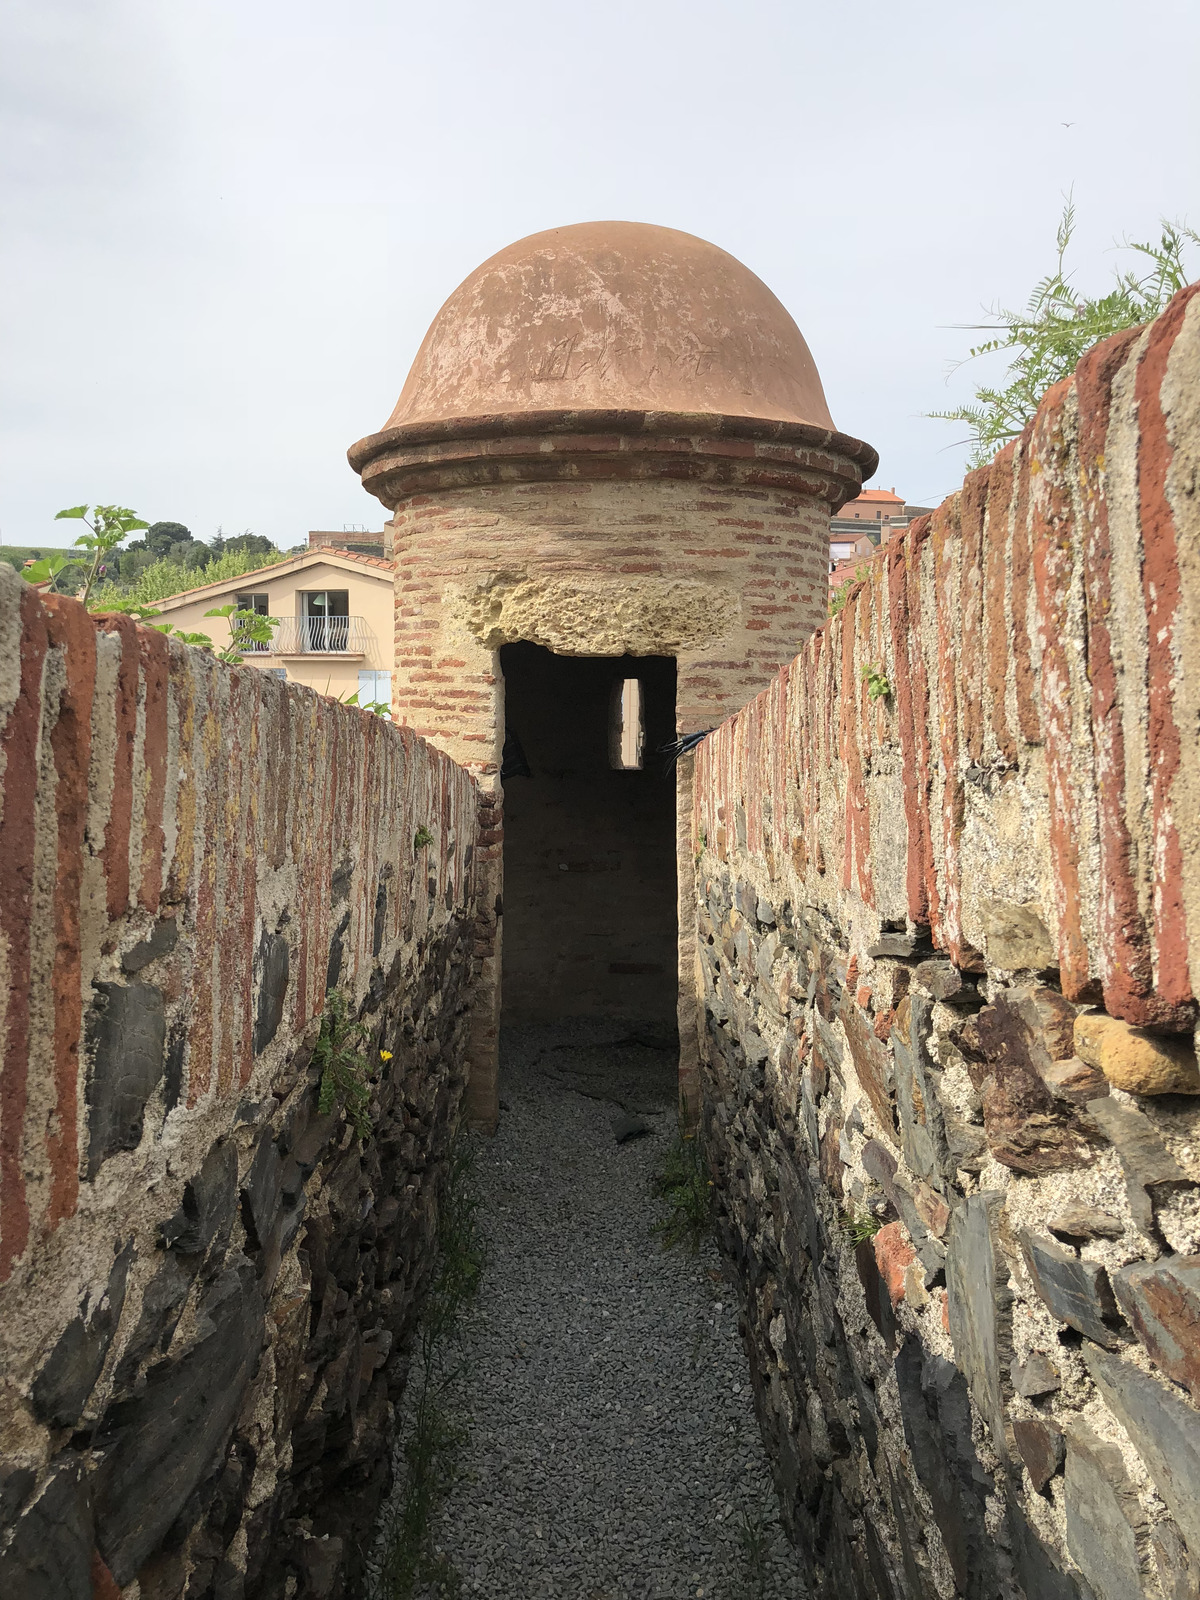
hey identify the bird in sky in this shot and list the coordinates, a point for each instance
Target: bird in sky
(1068, 124)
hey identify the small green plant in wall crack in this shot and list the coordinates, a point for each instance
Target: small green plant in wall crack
(860, 1229)
(876, 680)
(346, 1068)
(683, 1182)
(422, 837)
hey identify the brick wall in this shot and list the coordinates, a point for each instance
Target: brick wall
(202, 1276)
(950, 939)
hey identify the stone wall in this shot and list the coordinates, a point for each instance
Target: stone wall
(206, 1285)
(949, 886)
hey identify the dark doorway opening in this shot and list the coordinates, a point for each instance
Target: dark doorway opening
(590, 917)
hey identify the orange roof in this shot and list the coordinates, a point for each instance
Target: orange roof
(356, 555)
(875, 496)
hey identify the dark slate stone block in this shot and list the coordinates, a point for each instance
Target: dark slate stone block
(1028, 1128)
(273, 963)
(209, 1202)
(1178, 1570)
(795, 1237)
(1074, 1221)
(380, 922)
(50, 1554)
(339, 883)
(157, 1447)
(1164, 1428)
(1041, 1448)
(1145, 1158)
(262, 1191)
(937, 1426)
(909, 1519)
(879, 1163)
(979, 1308)
(160, 943)
(1077, 1292)
(173, 1072)
(872, 1066)
(15, 1486)
(162, 1306)
(1162, 1301)
(69, 1373)
(922, 1132)
(127, 1036)
(1103, 1516)
(337, 953)
(945, 982)
(1034, 1377)
(879, 1301)
(1036, 1570)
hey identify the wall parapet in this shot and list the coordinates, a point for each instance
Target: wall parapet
(948, 872)
(202, 1274)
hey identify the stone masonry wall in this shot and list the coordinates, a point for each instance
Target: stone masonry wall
(206, 1286)
(949, 887)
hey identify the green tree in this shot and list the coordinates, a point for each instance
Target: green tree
(250, 544)
(162, 537)
(1058, 325)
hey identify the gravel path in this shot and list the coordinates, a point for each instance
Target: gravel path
(613, 1447)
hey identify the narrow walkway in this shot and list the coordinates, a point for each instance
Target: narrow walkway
(614, 1453)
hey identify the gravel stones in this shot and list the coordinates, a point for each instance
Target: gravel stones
(613, 1446)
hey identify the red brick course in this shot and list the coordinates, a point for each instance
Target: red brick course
(143, 780)
(1016, 653)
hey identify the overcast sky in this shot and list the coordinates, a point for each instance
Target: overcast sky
(228, 224)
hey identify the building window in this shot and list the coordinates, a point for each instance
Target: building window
(627, 726)
(375, 689)
(260, 604)
(326, 620)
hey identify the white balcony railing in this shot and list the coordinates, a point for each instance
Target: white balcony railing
(345, 636)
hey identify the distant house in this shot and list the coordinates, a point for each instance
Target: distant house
(848, 546)
(336, 619)
(862, 525)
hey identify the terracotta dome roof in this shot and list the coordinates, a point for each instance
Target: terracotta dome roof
(612, 316)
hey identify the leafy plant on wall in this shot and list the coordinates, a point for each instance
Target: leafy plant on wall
(1058, 326)
(107, 526)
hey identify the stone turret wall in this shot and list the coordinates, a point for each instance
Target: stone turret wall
(727, 577)
(948, 877)
(206, 1284)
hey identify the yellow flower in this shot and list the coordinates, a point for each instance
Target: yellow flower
(385, 1055)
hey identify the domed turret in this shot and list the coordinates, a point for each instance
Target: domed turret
(612, 316)
(598, 327)
(611, 471)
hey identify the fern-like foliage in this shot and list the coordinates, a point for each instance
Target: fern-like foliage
(1056, 328)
